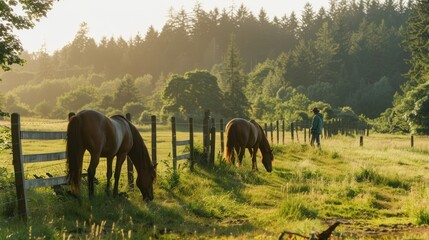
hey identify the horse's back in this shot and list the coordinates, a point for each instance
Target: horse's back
(103, 135)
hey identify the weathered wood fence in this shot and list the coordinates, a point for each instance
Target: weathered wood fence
(19, 159)
(209, 140)
(176, 143)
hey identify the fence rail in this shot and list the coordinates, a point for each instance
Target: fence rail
(21, 183)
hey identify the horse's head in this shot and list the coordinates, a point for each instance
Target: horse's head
(267, 159)
(145, 182)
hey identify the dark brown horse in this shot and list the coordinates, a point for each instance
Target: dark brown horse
(107, 137)
(242, 134)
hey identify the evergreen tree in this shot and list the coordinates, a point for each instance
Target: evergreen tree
(414, 103)
(234, 81)
(126, 92)
(326, 50)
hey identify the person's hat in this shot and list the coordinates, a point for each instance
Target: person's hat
(316, 110)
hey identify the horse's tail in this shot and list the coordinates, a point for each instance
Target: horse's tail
(229, 145)
(74, 154)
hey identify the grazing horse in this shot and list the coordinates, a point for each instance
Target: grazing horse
(107, 137)
(242, 134)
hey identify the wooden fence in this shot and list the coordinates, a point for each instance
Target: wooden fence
(22, 184)
(176, 143)
(209, 139)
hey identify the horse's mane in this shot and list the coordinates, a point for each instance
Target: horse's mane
(139, 145)
(265, 144)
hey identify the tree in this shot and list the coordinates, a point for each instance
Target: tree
(413, 102)
(126, 92)
(205, 92)
(325, 54)
(233, 79)
(176, 95)
(417, 43)
(18, 15)
(193, 93)
(74, 100)
(418, 118)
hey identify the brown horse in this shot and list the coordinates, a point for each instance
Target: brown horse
(242, 134)
(107, 137)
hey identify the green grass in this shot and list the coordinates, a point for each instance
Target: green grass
(382, 183)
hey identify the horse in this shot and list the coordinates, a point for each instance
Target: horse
(106, 137)
(242, 134)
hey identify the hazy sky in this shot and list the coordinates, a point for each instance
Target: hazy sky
(126, 18)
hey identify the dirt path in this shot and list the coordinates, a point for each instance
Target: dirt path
(350, 228)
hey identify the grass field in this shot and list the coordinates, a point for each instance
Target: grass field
(379, 190)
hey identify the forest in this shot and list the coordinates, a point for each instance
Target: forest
(362, 60)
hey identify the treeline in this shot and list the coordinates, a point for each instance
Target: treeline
(347, 55)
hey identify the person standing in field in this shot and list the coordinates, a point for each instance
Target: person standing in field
(316, 127)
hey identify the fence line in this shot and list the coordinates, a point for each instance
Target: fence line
(22, 184)
(209, 138)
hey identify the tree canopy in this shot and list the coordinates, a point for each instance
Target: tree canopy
(348, 56)
(18, 15)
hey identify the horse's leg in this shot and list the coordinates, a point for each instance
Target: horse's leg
(241, 155)
(95, 159)
(109, 173)
(254, 166)
(120, 158)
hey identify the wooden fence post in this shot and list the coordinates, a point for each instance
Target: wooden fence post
(283, 130)
(130, 170)
(153, 135)
(305, 135)
(18, 167)
(412, 140)
(191, 142)
(221, 137)
(206, 134)
(361, 141)
(173, 142)
(291, 131)
(277, 129)
(212, 143)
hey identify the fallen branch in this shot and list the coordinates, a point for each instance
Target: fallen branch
(325, 235)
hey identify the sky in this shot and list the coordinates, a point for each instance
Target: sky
(127, 18)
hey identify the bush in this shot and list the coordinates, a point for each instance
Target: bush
(145, 117)
(134, 108)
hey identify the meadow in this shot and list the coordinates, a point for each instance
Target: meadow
(378, 190)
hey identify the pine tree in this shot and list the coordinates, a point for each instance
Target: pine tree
(233, 82)
(414, 103)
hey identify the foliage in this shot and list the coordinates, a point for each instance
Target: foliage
(412, 104)
(5, 138)
(134, 108)
(192, 94)
(234, 82)
(418, 117)
(126, 92)
(74, 100)
(17, 15)
(346, 55)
